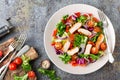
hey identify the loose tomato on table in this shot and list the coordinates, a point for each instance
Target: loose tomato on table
(18, 61)
(12, 66)
(31, 74)
(1, 53)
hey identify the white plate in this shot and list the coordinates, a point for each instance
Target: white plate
(70, 9)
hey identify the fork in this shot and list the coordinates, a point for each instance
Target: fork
(102, 17)
(11, 47)
(20, 42)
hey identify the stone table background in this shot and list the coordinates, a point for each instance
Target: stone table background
(32, 15)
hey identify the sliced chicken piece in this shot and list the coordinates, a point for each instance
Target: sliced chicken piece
(75, 27)
(99, 40)
(84, 31)
(73, 51)
(88, 48)
(66, 46)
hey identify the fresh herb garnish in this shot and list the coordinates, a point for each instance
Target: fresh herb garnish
(26, 65)
(49, 73)
(94, 39)
(25, 77)
(81, 19)
(79, 39)
(65, 17)
(61, 28)
(65, 58)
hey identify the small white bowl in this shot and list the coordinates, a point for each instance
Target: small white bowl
(70, 9)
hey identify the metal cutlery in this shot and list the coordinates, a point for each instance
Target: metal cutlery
(105, 24)
(20, 42)
(11, 48)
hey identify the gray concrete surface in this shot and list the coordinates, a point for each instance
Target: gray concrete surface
(32, 16)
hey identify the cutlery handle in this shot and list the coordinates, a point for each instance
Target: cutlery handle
(4, 30)
(111, 58)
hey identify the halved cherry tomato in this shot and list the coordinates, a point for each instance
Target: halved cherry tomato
(97, 29)
(95, 19)
(55, 32)
(85, 15)
(67, 29)
(74, 63)
(12, 66)
(74, 57)
(71, 37)
(77, 14)
(31, 74)
(1, 53)
(94, 50)
(18, 61)
(90, 14)
(83, 65)
(53, 43)
(58, 45)
(92, 43)
(103, 46)
(90, 23)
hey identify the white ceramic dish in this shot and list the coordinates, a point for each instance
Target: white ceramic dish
(70, 9)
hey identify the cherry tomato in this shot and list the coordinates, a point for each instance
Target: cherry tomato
(90, 14)
(55, 32)
(92, 43)
(90, 23)
(95, 19)
(1, 53)
(74, 57)
(12, 66)
(94, 50)
(71, 37)
(103, 46)
(18, 61)
(74, 63)
(67, 29)
(77, 14)
(97, 29)
(58, 45)
(31, 74)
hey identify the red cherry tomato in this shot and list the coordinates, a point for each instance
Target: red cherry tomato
(31, 74)
(18, 61)
(12, 66)
(103, 46)
(1, 53)
(77, 14)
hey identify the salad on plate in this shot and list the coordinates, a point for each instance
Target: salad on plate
(78, 39)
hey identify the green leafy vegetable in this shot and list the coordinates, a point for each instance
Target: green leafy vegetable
(94, 39)
(61, 28)
(65, 17)
(82, 19)
(25, 77)
(49, 73)
(26, 65)
(79, 39)
(94, 57)
(100, 24)
(65, 57)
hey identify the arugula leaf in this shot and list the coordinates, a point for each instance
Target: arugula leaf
(94, 57)
(81, 19)
(49, 73)
(26, 65)
(25, 77)
(94, 39)
(65, 57)
(61, 28)
(100, 24)
(79, 39)
(65, 17)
